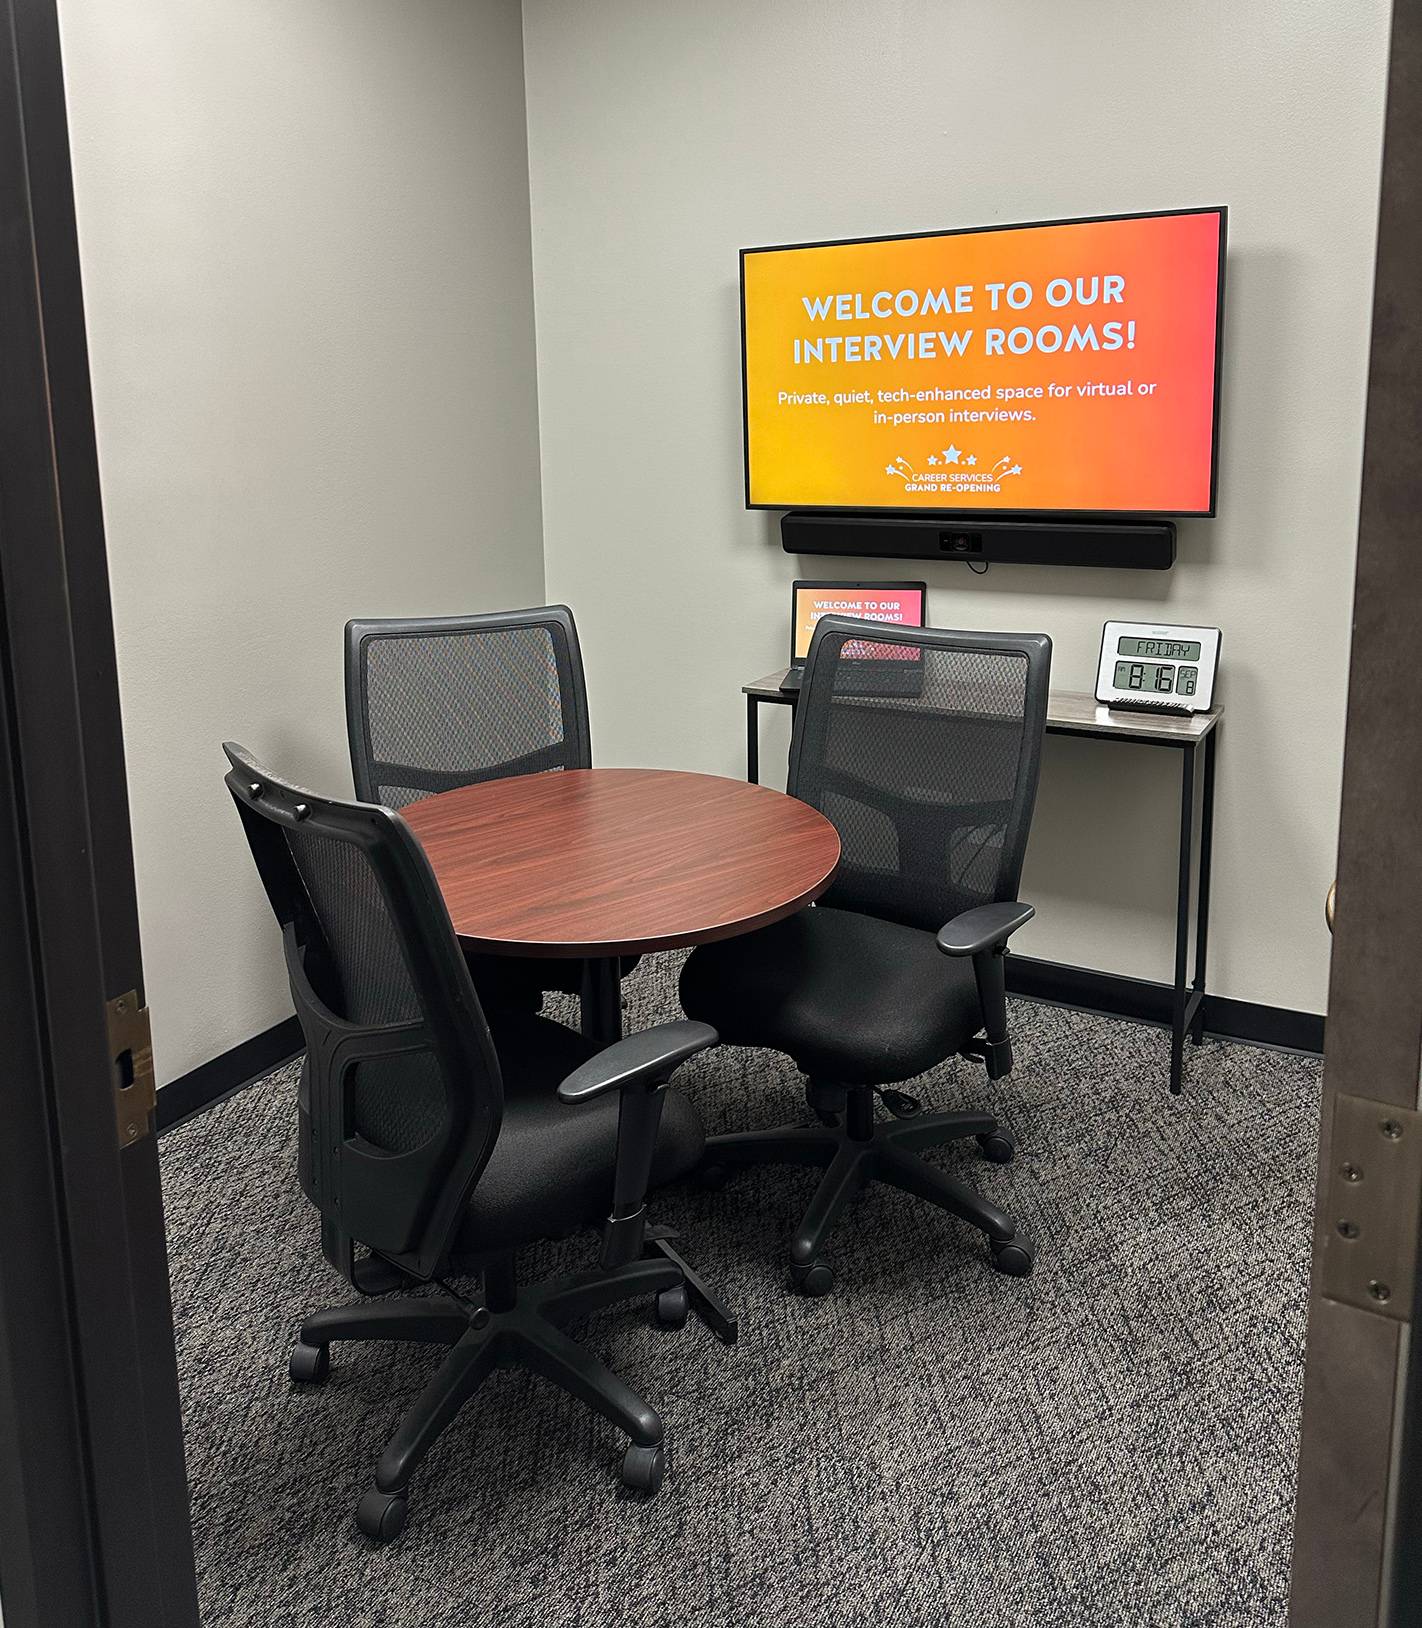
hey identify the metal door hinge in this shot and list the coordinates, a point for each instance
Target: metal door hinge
(1373, 1201)
(131, 1049)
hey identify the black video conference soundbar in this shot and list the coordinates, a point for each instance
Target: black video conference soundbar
(1141, 545)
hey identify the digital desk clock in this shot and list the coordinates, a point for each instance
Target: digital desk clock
(1158, 669)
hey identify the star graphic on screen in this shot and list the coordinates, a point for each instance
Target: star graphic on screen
(1015, 470)
(951, 454)
(971, 459)
(933, 458)
(890, 470)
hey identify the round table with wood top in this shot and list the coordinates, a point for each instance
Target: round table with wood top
(597, 864)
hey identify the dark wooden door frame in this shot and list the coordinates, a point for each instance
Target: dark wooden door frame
(91, 1470)
(1359, 1507)
(91, 1466)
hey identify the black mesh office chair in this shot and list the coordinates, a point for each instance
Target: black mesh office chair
(443, 701)
(922, 747)
(433, 1148)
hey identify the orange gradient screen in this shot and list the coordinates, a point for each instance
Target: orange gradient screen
(901, 605)
(1065, 367)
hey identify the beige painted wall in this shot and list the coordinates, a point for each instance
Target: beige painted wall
(663, 137)
(306, 245)
(305, 242)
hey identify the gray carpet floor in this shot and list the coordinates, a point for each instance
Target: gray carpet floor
(1108, 1444)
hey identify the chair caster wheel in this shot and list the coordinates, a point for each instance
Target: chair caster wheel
(382, 1515)
(1014, 1256)
(999, 1146)
(710, 1178)
(814, 1280)
(643, 1468)
(309, 1364)
(673, 1305)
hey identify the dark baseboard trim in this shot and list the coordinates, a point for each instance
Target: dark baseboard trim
(190, 1093)
(1109, 993)
(1115, 995)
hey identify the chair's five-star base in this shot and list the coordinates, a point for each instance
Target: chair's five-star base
(855, 1148)
(508, 1326)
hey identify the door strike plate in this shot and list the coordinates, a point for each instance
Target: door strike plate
(131, 1055)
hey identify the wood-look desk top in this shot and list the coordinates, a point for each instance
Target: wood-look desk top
(607, 862)
(1072, 712)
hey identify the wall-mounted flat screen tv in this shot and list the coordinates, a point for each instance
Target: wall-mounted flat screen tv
(1067, 367)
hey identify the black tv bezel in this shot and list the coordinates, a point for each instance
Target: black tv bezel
(1222, 210)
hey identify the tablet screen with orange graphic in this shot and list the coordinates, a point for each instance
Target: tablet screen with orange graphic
(897, 604)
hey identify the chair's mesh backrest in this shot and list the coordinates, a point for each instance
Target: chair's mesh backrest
(922, 748)
(397, 1103)
(401, 1095)
(449, 701)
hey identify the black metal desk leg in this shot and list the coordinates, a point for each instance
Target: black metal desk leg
(602, 1000)
(1202, 906)
(752, 740)
(1182, 918)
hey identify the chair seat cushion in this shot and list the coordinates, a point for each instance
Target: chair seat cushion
(855, 1000)
(551, 1169)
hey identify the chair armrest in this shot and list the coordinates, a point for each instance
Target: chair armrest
(638, 1069)
(983, 934)
(986, 927)
(645, 1059)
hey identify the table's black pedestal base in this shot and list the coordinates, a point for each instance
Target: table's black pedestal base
(602, 1000)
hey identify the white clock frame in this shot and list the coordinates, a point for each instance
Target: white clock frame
(1208, 638)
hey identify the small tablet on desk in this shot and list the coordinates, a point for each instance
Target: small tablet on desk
(902, 604)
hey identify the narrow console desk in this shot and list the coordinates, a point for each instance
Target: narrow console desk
(1072, 713)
